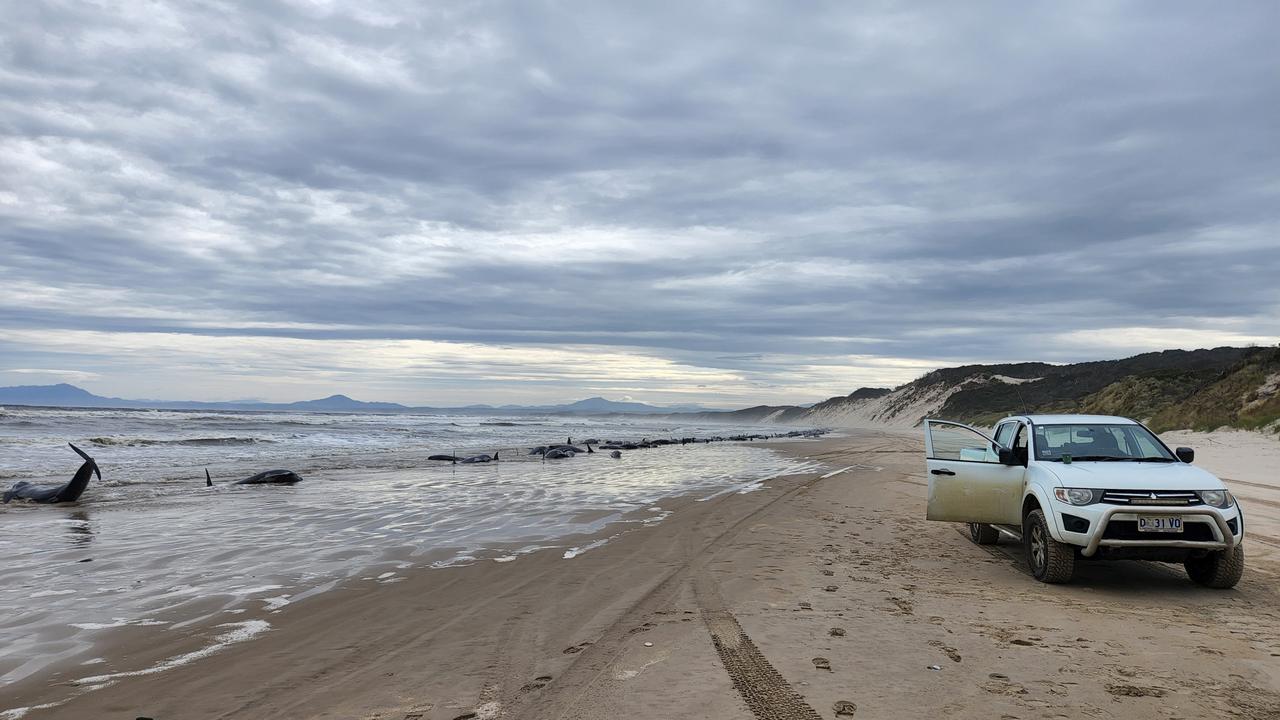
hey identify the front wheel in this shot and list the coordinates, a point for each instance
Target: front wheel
(1051, 561)
(1218, 569)
(983, 534)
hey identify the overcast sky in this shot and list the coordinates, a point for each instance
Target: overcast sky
(724, 203)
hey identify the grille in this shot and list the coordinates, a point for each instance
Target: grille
(1128, 530)
(1175, 498)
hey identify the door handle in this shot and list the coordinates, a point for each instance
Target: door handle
(942, 471)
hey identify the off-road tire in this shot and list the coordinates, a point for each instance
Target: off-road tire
(983, 534)
(1219, 569)
(1051, 561)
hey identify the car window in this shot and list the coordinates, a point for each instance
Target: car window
(1004, 433)
(1097, 440)
(956, 442)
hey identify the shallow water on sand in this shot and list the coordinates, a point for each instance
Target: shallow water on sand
(152, 547)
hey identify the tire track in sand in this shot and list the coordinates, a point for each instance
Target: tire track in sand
(763, 689)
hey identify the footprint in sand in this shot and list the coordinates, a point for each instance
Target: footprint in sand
(831, 588)
(828, 573)
(836, 632)
(537, 684)
(576, 648)
(806, 606)
(1135, 691)
(822, 663)
(844, 708)
(1000, 685)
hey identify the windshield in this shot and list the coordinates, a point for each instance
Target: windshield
(1098, 442)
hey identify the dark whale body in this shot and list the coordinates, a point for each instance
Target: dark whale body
(69, 492)
(269, 477)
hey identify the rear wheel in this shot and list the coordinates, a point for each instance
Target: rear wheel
(1051, 561)
(1219, 569)
(983, 534)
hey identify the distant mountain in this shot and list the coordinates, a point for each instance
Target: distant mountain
(598, 405)
(342, 403)
(64, 395)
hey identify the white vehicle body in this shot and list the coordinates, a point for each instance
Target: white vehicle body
(1141, 501)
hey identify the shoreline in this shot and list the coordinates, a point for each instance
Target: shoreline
(148, 648)
(467, 602)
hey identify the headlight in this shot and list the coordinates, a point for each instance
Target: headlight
(1078, 496)
(1216, 498)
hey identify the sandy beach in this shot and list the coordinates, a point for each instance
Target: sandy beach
(789, 602)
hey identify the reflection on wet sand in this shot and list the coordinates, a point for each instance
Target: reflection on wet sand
(79, 529)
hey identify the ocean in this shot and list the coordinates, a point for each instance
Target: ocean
(151, 547)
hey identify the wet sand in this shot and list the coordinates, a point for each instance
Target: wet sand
(735, 607)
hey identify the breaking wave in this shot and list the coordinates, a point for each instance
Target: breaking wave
(197, 442)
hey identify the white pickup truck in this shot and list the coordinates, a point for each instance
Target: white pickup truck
(1084, 486)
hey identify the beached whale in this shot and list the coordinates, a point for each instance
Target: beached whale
(479, 458)
(616, 454)
(447, 458)
(268, 477)
(559, 453)
(70, 492)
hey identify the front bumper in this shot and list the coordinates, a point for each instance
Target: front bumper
(1100, 516)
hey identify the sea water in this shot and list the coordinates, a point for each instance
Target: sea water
(151, 546)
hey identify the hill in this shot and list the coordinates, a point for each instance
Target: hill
(1173, 389)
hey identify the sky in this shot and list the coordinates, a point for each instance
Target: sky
(684, 202)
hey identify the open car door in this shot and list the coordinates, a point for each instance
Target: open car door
(967, 481)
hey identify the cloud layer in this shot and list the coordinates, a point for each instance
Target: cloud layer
(522, 201)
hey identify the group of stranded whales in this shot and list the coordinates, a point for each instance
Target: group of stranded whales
(615, 448)
(75, 487)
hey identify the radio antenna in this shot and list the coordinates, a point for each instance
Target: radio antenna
(1025, 410)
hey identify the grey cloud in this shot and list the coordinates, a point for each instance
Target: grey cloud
(1008, 169)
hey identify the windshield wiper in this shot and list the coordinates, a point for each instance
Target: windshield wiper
(1113, 458)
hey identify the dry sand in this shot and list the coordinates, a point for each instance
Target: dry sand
(736, 607)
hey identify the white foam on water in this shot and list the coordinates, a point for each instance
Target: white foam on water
(119, 623)
(576, 551)
(240, 632)
(19, 713)
(51, 593)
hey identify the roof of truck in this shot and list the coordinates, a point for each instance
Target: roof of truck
(1075, 419)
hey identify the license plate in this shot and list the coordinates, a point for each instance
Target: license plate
(1160, 523)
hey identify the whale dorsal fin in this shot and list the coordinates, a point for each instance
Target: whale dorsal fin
(208, 481)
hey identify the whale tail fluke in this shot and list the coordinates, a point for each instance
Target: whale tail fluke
(89, 460)
(208, 481)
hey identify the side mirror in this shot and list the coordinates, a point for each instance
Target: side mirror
(1006, 456)
(1185, 454)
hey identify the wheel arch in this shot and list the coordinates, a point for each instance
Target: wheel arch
(1037, 499)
